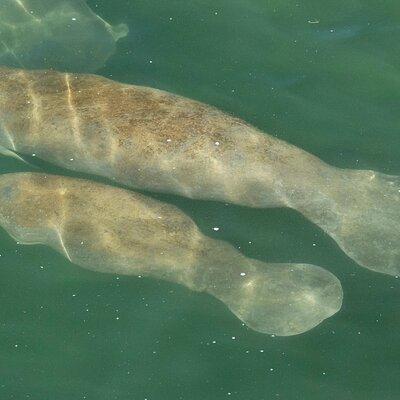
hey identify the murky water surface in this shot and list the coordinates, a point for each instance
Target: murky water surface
(322, 75)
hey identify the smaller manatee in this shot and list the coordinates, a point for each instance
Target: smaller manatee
(113, 230)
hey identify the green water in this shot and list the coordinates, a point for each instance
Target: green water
(332, 88)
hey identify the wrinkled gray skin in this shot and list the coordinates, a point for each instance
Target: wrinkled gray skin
(60, 34)
(113, 230)
(149, 139)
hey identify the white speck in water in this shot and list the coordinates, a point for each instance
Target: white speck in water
(217, 143)
(73, 19)
(169, 140)
(233, 337)
(314, 244)
(243, 274)
(33, 154)
(151, 61)
(71, 159)
(216, 228)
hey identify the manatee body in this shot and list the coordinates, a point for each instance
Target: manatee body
(113, 230)
(150, 139)
(60, 34)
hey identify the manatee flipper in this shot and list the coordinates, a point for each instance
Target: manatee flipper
(9, 153)
(112, 230)
(119, 31)
(361, 211)
(116, 31)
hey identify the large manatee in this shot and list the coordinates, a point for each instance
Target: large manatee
(109, 229)
(150, 139)
(60, 34)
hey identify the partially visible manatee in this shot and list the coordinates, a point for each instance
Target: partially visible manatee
(58, 34)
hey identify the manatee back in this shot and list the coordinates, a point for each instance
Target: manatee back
(97, 226)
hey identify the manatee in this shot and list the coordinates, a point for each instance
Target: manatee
(114, 230)
(157, 141)
(60, 34)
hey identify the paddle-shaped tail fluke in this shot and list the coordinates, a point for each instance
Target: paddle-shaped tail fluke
(280, 299)
(361, 211)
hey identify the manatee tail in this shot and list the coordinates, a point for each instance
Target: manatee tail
(361, 211)
(280, 299)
